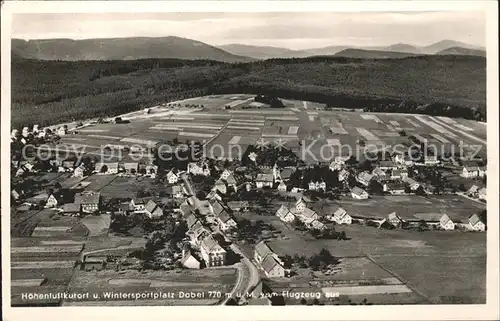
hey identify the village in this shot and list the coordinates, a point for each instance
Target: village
(208, 213)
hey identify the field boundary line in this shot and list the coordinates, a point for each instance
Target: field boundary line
(403, 280)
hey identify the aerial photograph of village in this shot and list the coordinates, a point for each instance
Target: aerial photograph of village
(278, 159)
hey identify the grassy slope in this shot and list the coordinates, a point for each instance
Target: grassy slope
(49, 92)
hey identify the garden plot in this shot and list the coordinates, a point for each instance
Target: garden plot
(293, 130)
(463, 127)
(46, 249)
(367, 134)
(421, 138)
(97, 225)
(250, 128)
(28, 265)
(27, 282)
(372, 117)
(394, 123)
(412, 122)
(441, 138)
(139, 141)
(48, 231)
(447, 120)
(386, 134)
(435, 126)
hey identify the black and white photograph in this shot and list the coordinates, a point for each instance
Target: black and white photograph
(165, 157)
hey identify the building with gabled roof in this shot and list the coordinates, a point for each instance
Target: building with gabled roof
(395, 219)
(414, 185)
(272, 267)
(446, 223)
(262, 250)
(340, 216)
(364, 178)
(284, 214)
(387, 165)
(264, 180)
(343, 174)
(191, 220)
(237, 206)
(226, 222)
(152, 210)
(172, 177)
(379, 173)
(476, 224)
(394, 188)
(213, 254)
(220, 186)
(358, 193)
(482, 194)
(88, 201)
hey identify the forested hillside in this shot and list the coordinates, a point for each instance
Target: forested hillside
(48, 92)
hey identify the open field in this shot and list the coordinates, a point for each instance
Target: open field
(458, 208)
(221, 279)
(97, 225)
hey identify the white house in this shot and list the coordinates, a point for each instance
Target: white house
(172, 178)
(431, 160)
(316, 225)
(446, 223)
(220, 186)
(79, 171)
(284, 214)
(212, 253)
(226, 222)
(364, 178)
(272, 267)
(394, 188)
(340, 216)
(61, 131)
(189, 261)
(411, 183)
(395, 219)
(282, 186)
(225, 174)
(343, 174)
(472, 171)
(138, 204)
(482, 194)
(264, 180)
(358, 193)
(316, 186)
(476, 224)
(51, 201)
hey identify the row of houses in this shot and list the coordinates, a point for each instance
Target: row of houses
(269, 261)
(301, 212)
(477, 192)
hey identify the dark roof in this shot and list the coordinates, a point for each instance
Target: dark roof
(191, 219)
(217, 207)
(262, 249)
(150, 206)
(287, 173)
(269, 263)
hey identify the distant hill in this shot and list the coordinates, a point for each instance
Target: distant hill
(372, 54)
(402, 47)
(121, 49)
(51, 92)
(263, 52)
(325, 51)
(462, 51)
(445, 44)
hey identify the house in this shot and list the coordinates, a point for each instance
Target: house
(231, 182)
(189, 261)
(220, 186)
(225, 221)
(476, 224)
(340, 216)
(253, 156)
(214, 195)
(395, 174)
(61, 131)
(172, 178)
(316, 186)
(262, 250)
(473, 191)
(276, 173)
(130, 167)
(151, 170)
(191, 220)
(198, 169)
(403, 159)
(152, 210)
(404, 173)
(272, 267)
(68, 164)
(138, 204)
(213, 254)
(94, 263)
(411, 183)
(238, 206)
(264, 180)
(197, 233)
(300, 205)
(88, 201)
(282, 186)
(472, 171)
(387, 165)
(284, 214)
(358, 193)
(16, 194)
(286, 174)
(364, 178)
(316, 225)
(394, 188)
(431, 160)
(306, 215)
(338, 162)
(51, 201)
(216, 207)
(482, 194)
(395, 219)
(175, 191)
(379, 173)
(79, 171)
(343, 174)
(446, 223)
(225, 174)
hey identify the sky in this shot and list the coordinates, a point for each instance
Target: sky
(290, 30)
